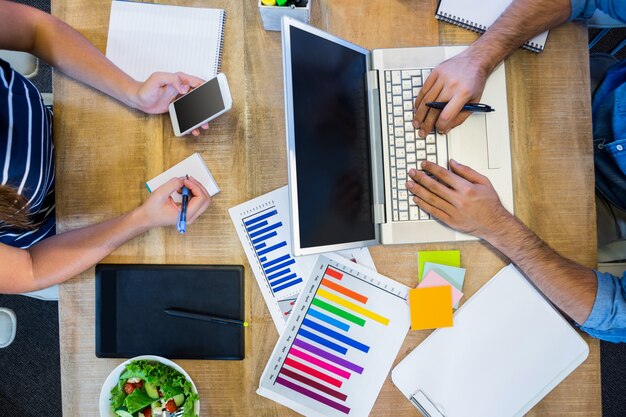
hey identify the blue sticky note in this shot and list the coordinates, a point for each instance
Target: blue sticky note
(454, 275)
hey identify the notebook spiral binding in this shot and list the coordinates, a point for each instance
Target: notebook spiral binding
(220, 46)
(475, 27)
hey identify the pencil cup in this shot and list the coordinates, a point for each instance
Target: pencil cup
(272, 15)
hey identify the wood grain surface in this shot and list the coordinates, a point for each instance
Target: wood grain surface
(105, 152)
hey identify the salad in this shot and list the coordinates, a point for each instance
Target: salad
(147, 388)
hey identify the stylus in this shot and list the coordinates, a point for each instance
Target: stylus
(205, 317)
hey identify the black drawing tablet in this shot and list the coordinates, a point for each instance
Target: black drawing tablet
(130, 317)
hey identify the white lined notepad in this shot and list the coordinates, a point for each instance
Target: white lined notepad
(145, 38)
(479, 15)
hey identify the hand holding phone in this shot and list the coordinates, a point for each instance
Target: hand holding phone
(199, 106)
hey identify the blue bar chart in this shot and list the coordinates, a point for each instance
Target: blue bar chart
(271, 249)
(264, 228)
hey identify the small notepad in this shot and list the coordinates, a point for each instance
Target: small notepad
(145, 38)
(193, 166)
(479, 15)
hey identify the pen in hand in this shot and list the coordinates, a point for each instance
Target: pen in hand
(182, 215)
(473, 107)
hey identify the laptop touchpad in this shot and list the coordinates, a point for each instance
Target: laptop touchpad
(473, 142)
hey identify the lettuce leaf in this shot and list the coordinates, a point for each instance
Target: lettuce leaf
(137, 400)
(118, 395)
(169, 381)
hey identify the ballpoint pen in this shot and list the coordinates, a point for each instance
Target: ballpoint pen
(182, 215)
(474, 107)
(205, 317)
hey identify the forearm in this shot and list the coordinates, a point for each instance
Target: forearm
(68, 51)
(521, 21)
(24, 28)
(66, 255)
(570, 286)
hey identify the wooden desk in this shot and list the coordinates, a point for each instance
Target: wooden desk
(104, 153)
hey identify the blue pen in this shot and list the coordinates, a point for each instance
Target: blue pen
(182, 215)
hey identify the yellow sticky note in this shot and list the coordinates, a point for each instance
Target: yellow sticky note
(431, 307)
(443, 257)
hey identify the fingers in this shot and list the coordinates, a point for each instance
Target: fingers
(169, 187)
(426, 116)
(196, 132)
(450, 113)
(429, 201)
(430, 184)
(449, 178)
(468, 173)
(420, 103)
(190, 79)
(200, 200)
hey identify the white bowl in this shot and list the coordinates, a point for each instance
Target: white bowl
(114, 377)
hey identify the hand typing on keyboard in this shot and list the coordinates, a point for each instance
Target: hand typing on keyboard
(458, 81)
(461, 198)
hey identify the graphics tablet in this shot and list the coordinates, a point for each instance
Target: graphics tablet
(130, 317)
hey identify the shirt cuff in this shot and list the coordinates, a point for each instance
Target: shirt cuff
(582, 9)
(603, 303)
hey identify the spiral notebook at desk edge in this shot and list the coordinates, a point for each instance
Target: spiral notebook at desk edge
(478, 19)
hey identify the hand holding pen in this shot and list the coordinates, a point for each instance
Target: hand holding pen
(181, 224)
(161, 210)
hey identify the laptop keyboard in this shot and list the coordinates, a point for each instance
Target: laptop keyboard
(406, 149)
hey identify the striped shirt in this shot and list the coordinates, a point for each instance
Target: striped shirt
(26, 154)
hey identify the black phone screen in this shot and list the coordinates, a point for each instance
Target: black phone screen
(199, 105)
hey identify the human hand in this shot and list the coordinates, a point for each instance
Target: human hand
(461, 198)
(156, 93)
(161, 210)
(459, 80)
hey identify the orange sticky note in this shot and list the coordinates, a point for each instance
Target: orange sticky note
(431, 307)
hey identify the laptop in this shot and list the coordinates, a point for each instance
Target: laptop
(350, 141)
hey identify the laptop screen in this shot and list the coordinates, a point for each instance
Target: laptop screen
(332, 145)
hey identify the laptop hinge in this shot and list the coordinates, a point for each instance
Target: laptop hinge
(372, 80)
(378, 189)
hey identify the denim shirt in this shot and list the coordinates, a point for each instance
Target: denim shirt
(607, 319)
(608, 112)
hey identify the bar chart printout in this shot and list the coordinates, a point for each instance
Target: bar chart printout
(339, 342)
(263, 225)
(264, 228)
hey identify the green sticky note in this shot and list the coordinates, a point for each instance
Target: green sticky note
(443, 257)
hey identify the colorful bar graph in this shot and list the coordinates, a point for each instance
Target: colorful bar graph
(324, 342)
(333, 273)
(335, 335)
(351, 306)
(313, 395)
(343, 290)
(313, 384)
(327, 319)
(313, 372)
(324, 365)
(327, 362)
(338, 312)
(328, 356)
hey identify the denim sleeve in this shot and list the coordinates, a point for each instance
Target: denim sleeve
(607, 320)
(584, 9)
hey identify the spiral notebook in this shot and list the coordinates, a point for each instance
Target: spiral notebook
(146, 37)
(478, 17)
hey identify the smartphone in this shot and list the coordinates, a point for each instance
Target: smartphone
(202, 104)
